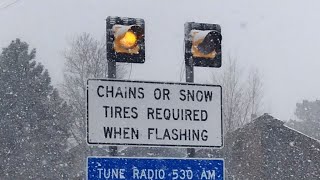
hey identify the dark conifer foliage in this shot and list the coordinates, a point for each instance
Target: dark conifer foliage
(33, 118)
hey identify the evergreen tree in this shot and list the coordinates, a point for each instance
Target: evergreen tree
(308, 114)
(33, 118)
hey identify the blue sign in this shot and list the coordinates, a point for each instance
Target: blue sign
(144, 168)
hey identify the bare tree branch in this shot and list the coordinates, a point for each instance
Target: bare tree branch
(241, 94)
(85, 58)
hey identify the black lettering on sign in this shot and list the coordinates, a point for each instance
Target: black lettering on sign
(120, 92)
(175, 135)
(190, 95)
(158, 113)
(183, 96)
(157, 134)
(150, 131)
(98, 91)
(185, 134)
(109, 91)
(208, 95)
(178, 134)
(195, 115)
(182, 114)
(141, 93)
(204, 115)
(134, 114)
(132, 92)
(117, 110)
(121, 112)
(108, 131)
(106, 110)
(126, 112)
(199, 96)
(167, 114)
(126, 133)
(188, 114)
(195, 95)
(204, 135)
(166, 135)
(121, 133)
(111, 112)
(164, 94)
(177, 114)
(150, 112)
(157, 93)
(196, 134)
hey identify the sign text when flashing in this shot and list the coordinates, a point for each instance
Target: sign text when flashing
(153, 113)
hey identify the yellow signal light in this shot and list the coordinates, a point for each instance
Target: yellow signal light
(126, 39)
(129, 40)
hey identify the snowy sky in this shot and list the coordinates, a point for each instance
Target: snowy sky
(279, 37)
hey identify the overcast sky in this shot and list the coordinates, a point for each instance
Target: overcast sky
(279, 37)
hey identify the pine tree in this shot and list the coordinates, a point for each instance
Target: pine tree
(308, 114)
(33, 118)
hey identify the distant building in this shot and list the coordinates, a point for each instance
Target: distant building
(267, 149)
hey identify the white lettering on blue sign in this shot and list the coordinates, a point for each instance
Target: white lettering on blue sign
(154, 169)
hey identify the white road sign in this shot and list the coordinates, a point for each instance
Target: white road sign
(142, 113)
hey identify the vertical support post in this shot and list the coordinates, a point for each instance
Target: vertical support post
(191, 152)
(112, 73)
(189, 73)
(112, 69)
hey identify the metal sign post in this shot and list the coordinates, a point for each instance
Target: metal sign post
(191, 152)
(202, 48)
(112, 73)
(123, 51)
